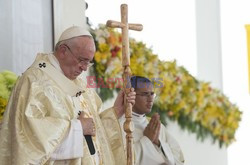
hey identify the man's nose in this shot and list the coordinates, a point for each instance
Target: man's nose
(150, 98)
(83, 67)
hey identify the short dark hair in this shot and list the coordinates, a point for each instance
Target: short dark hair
(136, 80)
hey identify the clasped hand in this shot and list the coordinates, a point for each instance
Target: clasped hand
(152, 131)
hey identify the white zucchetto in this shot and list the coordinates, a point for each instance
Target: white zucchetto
(74, 31)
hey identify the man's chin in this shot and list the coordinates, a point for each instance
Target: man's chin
(73, 77)
(148, 110)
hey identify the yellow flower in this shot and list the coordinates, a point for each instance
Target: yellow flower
(3, 104)
(98, 56)
(103, 47)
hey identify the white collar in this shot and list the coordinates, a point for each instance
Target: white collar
(138, 115)
(55, 62)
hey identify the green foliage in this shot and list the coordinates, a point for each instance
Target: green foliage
(7, 81)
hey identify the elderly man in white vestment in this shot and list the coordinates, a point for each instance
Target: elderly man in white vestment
(53, 118)
(152, 143)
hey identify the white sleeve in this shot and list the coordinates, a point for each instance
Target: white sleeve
(72, 145)
(146, 153)
(167, 152)
(171, 144)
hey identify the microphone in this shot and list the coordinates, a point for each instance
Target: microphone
(90, 144)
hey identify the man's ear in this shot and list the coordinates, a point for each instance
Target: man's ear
(62, 51)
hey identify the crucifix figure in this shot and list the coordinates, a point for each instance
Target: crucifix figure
(125, 26)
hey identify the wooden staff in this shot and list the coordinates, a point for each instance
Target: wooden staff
(128, 124)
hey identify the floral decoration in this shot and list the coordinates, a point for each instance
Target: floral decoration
(194, 104)
(7, 81)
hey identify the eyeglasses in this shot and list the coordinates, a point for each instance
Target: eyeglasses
(80, 61)
(147, 94)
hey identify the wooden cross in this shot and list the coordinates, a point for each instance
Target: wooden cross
(128, 125)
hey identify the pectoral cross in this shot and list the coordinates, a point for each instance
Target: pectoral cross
(128, 125)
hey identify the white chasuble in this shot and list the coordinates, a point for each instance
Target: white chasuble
(42, 112)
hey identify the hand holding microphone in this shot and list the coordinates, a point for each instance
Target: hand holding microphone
(88, 127)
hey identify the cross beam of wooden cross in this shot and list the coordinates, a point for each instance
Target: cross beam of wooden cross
(124, 26)
(128, 125)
